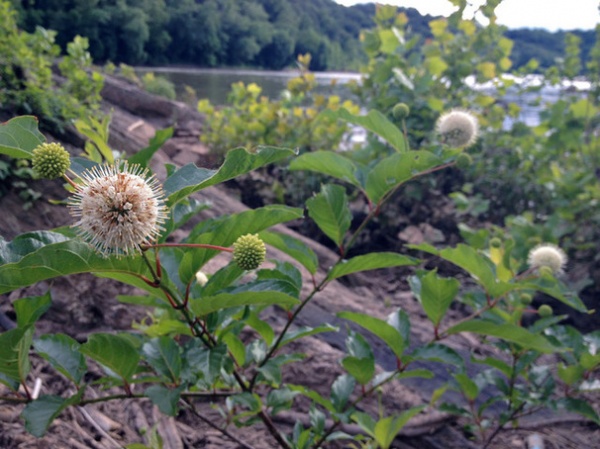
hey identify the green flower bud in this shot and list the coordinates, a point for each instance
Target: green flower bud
(400, 111)
(545, 311)
(525, 299)
(496, 242)
(50, 160)
(249, 251)
(464, 160)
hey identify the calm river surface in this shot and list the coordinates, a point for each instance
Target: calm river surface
(215, 84)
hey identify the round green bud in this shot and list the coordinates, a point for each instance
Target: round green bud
(546, 272)
(249, 251)
(464, 160)
(525, 299)
(50, 160)
(545, 311)
(400, 111)
(496, 242)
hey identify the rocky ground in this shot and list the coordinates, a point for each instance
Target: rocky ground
(84, 304)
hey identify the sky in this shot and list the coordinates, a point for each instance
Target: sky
(549, 14)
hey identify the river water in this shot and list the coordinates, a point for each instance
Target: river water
(215, 85)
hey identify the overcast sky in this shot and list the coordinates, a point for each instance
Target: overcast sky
(549, 14)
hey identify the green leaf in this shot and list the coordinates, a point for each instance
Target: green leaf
(236, 347)
(435, 294)
(143, 156)
(164, 398)
(362, 369)
(164, 356)
(341, 390)
(468, 387)
(372, 261)
(39, 414)
(396, 169)
(313, 395)
(210, 361)
(20, 136)
(305, 331)
(23, 353)
(293, 247)
(328, 163)
(37, 256)
(63, 354)
(578, 406)
(360, 364)
(508, 332)
(9, 353)
(380, 328)
(116, 353)
(387, 429)
(263, 328)
(478, 266)
(190, 179)
(281, 399)
(204, 306)
(29, 310)
(438, 353)
(374, 122)
(329, 209)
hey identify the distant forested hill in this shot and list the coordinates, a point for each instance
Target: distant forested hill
(259, 33)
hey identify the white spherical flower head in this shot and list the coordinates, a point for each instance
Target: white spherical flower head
(119, 207)
(548, 255)
(458, 128)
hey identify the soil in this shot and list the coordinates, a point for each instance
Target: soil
(84, 304)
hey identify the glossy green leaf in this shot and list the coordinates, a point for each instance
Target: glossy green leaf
(372, 261)
(374, 122)
(164, 356)
(508, 332)
(9, 353)
(387, 429)
(190, 179)
(236, 347)
(329, 209)
(360, 363)
(143, 156)
(328, 163)
(435, 294)
(380, 328)
(30, 309)
(280, 399)
(164, 398)
(341, 390)
(39, 414)
(37, 256)
(20, 136)
(115, 352)
(313, 395)
(396, 169)
(63, 354)
(293, 247)
(477, 265)
(263, 328)
(204, 306)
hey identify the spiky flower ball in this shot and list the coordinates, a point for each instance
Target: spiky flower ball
(249, 251)
(458, 128)
(119, 207)
(400, 111)
(549, 256)
(50, 160)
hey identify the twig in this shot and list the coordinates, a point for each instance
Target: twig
(204, 419)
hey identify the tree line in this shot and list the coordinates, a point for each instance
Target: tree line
(258, 33)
